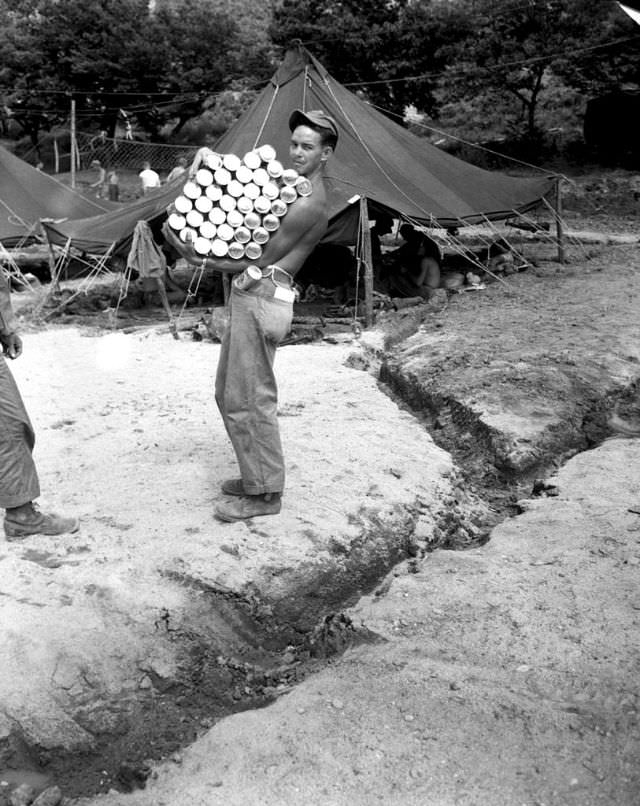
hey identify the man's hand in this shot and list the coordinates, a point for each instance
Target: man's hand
(11, 345)
(199, 158)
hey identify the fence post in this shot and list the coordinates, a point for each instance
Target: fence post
(559, 226)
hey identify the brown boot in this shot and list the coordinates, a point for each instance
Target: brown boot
(24, 521)
(249, 506)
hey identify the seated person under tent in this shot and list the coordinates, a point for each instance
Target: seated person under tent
(413, 269)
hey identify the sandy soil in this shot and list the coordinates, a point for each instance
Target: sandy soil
(502, 674)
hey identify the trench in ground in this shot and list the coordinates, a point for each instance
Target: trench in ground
(274, 651)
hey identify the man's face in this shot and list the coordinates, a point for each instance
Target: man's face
(306, 150)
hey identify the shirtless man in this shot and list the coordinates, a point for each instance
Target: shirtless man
(246, 391)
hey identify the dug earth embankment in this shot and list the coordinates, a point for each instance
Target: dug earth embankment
(503, 673)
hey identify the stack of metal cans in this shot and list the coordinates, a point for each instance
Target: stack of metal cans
(230, 207)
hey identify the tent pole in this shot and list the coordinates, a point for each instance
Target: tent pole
(366, 259)
(559, 227)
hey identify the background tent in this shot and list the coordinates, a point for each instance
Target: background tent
(376, 159)
(28, 195)
(113, 231)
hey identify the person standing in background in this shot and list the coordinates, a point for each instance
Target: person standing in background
(179, 170)
(99, 184)
(113, 185)
(149, 178)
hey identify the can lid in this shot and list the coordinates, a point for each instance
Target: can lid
(275, 169)
(260, 235)
(236, 250)
(182, 204)
(235, 218)
(252, 160)
(253, 250)
(225, 232)
(243, 235)
(204, 177)
(194, 218)
(208, 230)
(231, 162)
(245, 205)
(217, 216)
(251, 190)
(303, 186)
(235, 188)
(252, 220)
(204, 204)
(288, 194)
(202, 245)
(227, 203)
(262, 204)
(191, 190)
(267, 153)
(271, 190)
(260, 177)
(289, 176)
(278, 207)
(222, 176)
(271, 222)
(213, 161)
(244, 174)
(214, 193)
(219, 248)
(177, 221)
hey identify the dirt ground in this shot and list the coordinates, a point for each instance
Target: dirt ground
(398, 671)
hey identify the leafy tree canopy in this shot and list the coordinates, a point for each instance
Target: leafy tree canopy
(113, 54)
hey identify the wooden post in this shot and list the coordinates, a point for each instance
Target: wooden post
(226, 288)
(73, 143)
(56, 156)
(559, 227)
(365, 233)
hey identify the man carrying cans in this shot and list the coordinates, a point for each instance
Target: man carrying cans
(261, 311)
(19, 484)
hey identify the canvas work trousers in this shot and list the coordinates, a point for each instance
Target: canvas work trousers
(246, 391)
(18, 476)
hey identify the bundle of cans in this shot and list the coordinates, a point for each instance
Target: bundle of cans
(230, 207)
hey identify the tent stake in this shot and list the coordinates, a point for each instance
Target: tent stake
(366, 259)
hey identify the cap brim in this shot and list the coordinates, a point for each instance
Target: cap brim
(298, 118)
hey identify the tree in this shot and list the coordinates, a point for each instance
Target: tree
(509, 54)
(115, 54)
(356, 40)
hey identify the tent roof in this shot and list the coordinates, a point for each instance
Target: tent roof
(375, 158)
(28, 195)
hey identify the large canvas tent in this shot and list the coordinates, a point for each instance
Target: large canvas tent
(376, 159)
(28, 195)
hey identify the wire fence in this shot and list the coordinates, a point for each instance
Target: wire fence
(54, 153)
(113, 152)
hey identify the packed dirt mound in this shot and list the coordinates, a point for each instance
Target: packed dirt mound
(518, 376)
